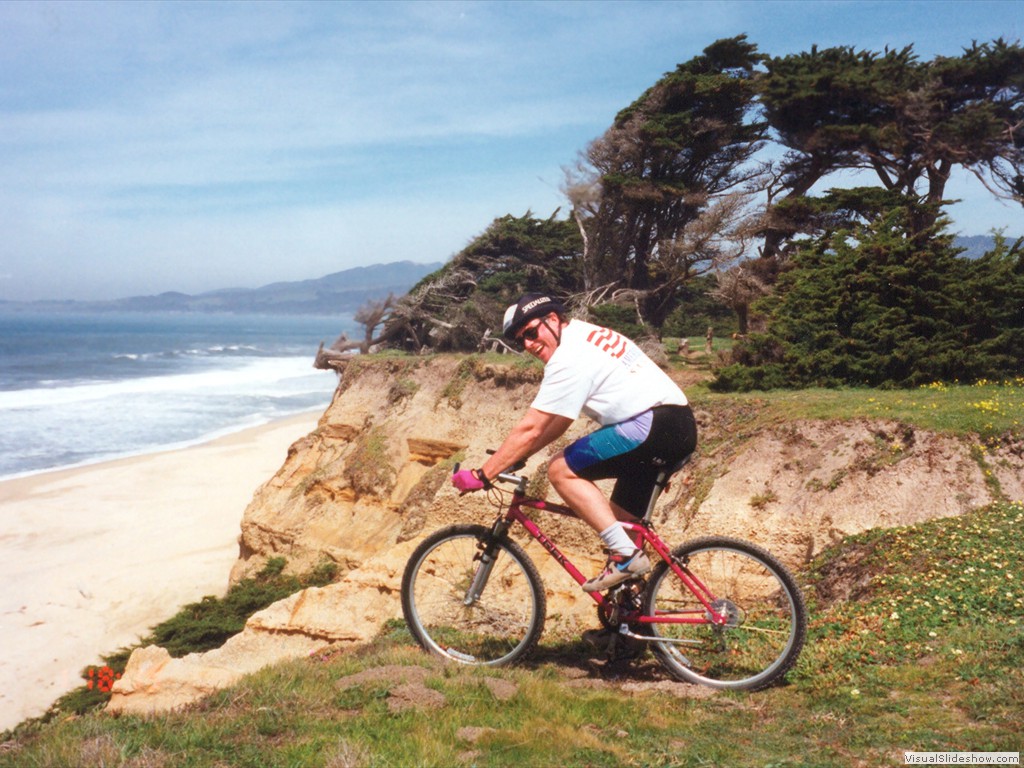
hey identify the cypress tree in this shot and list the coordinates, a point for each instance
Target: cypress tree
(873, 306)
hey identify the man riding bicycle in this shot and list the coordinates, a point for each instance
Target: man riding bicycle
(646, 425)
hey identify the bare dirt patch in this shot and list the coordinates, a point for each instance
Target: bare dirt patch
(414, 696)
(846, 577)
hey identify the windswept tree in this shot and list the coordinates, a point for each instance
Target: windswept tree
(738, 288)
(677, 192)
(817, 105)
(967, 111)
(372, 315)
(461, 305)
(909, 122)
(676, 158)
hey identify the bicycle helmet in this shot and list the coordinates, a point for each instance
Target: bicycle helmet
(529, 306)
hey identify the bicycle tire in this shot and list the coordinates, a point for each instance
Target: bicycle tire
(767, 623)
(501, 627)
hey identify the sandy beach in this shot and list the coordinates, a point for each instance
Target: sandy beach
(91, 558)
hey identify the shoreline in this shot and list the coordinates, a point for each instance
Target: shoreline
(94, 556)
(210, 437)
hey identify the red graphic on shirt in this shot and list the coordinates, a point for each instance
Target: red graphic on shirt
(608, 341)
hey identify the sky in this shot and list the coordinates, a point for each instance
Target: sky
(191, 146)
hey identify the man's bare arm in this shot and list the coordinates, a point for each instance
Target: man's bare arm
(535, 430)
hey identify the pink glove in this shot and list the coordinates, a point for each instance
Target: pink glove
(466, 480)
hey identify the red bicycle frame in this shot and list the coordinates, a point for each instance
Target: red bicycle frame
(642, 534)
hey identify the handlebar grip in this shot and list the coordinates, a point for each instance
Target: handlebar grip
(455, 469)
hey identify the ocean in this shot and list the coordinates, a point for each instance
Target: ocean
(77, 389)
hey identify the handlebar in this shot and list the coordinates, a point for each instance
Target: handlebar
(506, 476)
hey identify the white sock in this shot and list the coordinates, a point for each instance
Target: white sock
(617, 540)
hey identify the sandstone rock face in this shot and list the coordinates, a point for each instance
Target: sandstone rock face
(802, 489)
(370, 482)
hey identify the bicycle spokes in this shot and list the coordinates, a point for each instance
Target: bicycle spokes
(471, 607)
(742, 629)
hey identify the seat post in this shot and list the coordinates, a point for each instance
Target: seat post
(660, 483)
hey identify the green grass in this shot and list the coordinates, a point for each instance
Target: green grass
(991, 410)
(916, 642)
(903, 594)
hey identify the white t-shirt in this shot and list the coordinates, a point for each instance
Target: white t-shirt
(603, 374)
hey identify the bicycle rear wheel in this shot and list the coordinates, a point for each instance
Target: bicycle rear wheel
(499, 625)
(765, 617)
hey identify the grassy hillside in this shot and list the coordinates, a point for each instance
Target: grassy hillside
(915, 642)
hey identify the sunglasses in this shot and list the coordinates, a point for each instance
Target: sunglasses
(529, 334)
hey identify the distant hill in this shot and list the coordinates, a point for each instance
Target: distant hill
(338, 293)
(976, 246)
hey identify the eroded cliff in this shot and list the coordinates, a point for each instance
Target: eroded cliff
(370, 481)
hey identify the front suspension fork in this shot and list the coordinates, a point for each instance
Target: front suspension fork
(487, 556)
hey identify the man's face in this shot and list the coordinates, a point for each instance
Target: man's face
(537, 337)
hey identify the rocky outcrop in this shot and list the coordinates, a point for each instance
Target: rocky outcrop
(807, 486)
(370, 481)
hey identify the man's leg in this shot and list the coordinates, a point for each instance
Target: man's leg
(590, 505)
(625, 561)
(585, 498)
(623, 515)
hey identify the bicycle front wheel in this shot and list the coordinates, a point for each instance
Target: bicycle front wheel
(473, 600)
(761, 618)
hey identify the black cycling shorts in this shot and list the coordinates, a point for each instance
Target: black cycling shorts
(634, 452)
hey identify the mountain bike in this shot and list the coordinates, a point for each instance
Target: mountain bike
(716, 611)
